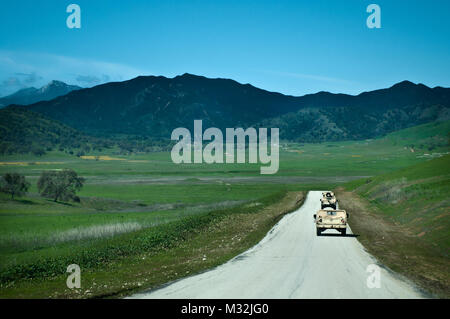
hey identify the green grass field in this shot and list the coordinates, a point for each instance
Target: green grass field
(360, 158)
(145, 202)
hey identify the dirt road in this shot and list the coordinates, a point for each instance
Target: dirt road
(292, 262)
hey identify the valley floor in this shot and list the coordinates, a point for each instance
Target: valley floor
(141, 212)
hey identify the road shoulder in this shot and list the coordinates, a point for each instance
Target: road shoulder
(395, 246)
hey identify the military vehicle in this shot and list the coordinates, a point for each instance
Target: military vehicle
(328, 200)
(331, 219)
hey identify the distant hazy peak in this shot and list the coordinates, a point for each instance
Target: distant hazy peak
(32, 95)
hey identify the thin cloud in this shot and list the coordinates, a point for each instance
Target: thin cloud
(11, 81)
(93, 80)
(310, 77)
(88, 79)
(20, 69)
(29, 78)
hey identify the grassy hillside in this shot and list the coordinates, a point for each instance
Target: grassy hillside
(403, 219)
(23, 131)
(428, 138)
(416, 197)
(402, 216)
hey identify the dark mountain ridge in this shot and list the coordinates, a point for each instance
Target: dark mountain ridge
(155, 105)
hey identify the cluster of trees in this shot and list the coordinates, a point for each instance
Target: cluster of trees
(14, 184)
(40, 149)
(125, 146)
(143, 144)
(57, 185)
(23, 131)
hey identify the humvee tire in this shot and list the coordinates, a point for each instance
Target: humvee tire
(318, 231)
(344, 231)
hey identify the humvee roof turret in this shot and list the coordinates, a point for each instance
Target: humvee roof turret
(328, 200)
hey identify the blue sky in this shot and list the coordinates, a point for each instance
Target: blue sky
(292, 47)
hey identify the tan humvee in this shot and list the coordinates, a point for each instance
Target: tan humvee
(328, 200)
(331, 219)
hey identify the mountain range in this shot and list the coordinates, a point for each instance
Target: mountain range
(32, 95)
(154, 105)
